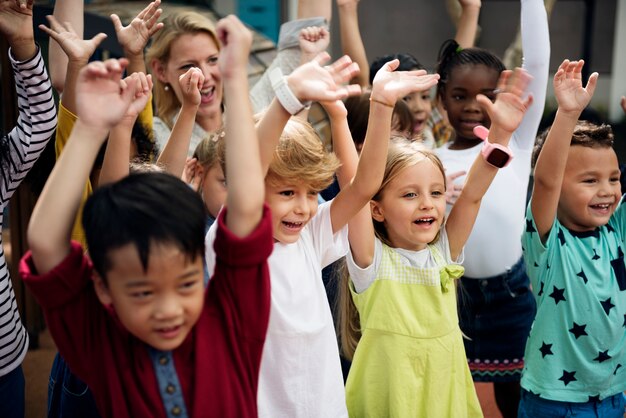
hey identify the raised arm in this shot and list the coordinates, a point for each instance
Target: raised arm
(467, 24)
(623, 104)
(115, 165)
(506, 113)
(246, 186)
(71, 11)
(388, 87)
(101, 104)
(37, 114)
(572, 98)
(174, 154)
(309, 82)
(536, 49)
(351, 41)
(78, 52)
(134, 37)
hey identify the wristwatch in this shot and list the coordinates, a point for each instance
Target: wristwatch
(496, 155)
(285, 96)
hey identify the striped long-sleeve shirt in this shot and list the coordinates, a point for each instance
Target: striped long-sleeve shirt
(35, 125)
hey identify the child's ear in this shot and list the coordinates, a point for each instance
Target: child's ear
(158, 69)
(377, 211)
(102, 291)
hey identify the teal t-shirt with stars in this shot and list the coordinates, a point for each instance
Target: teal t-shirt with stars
(576, 350)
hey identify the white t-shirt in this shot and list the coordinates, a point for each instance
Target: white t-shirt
(300, 369)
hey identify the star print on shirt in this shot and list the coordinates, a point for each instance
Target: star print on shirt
(529, 227)
(561, 237)
(602, 356)
(616, 369)
(583, 276)
(595, 255)
(609, 228)
(546, 349)
(595, 398)
(624, 324)
(578, 330)
(607, 305)
(542, 284)
(568, 377)
(557, 294)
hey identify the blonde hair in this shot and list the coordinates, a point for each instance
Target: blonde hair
(300, 157)
(207, 151)
(174, 26)
(402, 153)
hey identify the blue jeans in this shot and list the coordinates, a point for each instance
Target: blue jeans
(12, 394)
(68, 396)
(532, 406)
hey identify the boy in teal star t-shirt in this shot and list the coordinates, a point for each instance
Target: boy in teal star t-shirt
(573, 247)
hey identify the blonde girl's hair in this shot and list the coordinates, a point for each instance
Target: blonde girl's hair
(301, 157)
(402, 153)
(207, 151)
(174, 26)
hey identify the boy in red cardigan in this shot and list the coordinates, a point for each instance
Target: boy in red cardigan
(134, 320)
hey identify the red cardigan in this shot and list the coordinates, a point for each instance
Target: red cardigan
(217, 364)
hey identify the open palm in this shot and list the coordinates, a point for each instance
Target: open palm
(136, 35)
(390, 85)
(510, 106)
(313, 82)
(570, 93)
(74, 46)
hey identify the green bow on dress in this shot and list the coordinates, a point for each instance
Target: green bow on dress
(449, 273)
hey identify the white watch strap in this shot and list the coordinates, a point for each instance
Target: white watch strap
(284, 94)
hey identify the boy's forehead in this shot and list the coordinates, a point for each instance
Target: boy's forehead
(584, 159)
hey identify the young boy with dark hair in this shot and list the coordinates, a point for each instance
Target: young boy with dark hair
(138, 325)
(573, 247)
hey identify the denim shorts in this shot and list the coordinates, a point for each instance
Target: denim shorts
(495, 315)
(533, 406)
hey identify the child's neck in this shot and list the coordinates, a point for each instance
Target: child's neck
(460, 143)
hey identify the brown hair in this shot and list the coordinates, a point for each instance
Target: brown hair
(586, 134)
(174, 26)
(402, 153)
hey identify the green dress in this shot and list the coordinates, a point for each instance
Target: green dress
(410, 361)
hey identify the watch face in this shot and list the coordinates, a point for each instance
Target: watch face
(498, 158)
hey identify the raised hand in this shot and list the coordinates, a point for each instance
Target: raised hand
(189, 175)
(569, 91)
(75, 47)
(236, 42)
(623, 103)
(313, 40)
(190, 86)
(510, 105)
(143, 87)
(453, 190)
(134, 37)
(389, 86)
(16, 23)
(313, 82)
(101, 98)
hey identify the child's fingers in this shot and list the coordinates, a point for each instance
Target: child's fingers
(97, 40)
(529, 101)
(392, 65)
(324, 57)
(149, 81)
(117, 23)
(591, 84)
(486, 103)
(346, 74)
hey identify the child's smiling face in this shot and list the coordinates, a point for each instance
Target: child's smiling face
(464, 83)
(413, 206)
(292, 206)
(160, 305)
(591, 188)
